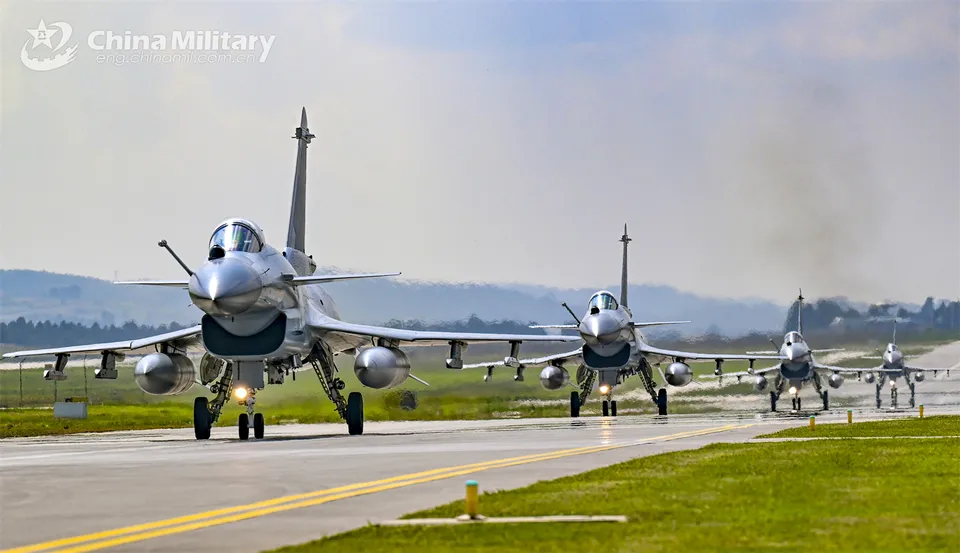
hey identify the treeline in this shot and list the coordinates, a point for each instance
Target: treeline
(46, 334)
(470, 324)
(830, 314)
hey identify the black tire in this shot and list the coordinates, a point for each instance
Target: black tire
(613, 408)
(201, 419)
(799, 405)
(826, 400)
(662, 401)
(574, 404)
(243, 425)
(355, 413)
(258, 426)
(605, 408)
(773, 402)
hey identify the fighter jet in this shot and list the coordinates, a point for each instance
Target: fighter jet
(893, 367)
(796, 368)
(614, 349)
(265, 314)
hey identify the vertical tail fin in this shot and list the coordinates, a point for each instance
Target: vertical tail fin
(894, 341)
(800, 312)
(298, 209)
(624, 284)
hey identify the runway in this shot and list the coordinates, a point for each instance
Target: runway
(163, 491)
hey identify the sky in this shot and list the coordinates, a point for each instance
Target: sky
(752, 148)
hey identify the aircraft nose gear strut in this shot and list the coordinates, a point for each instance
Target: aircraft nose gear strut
(250, 419)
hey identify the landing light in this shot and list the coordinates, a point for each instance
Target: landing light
(240, 393)
(893, 383)
(793, 390)
(604, 389)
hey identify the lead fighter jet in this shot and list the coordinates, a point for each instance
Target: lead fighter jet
(264, 314)
(614, 349)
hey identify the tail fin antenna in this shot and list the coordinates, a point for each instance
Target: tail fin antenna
(298, 208)
(624, 284)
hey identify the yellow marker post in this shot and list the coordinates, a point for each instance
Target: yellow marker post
(921, 410)
(473, 498)
(812, 423)
(849, 416)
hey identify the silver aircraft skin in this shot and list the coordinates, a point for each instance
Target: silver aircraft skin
(264, 314)
(892, 368)
(796, 368)
(614, 349)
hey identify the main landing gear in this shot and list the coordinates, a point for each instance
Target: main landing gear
(351, 409)
(206, 413)
(662, 401)
(585, 379)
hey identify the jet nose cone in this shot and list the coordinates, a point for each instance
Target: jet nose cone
(225, 286)
(600, 329)
(795, 352)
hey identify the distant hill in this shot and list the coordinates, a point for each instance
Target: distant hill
(41, 296)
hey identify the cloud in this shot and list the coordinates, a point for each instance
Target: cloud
(513, 162)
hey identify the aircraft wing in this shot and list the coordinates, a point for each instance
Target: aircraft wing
(740, 374)
(925, 370)
(848, 370)
(321, 279)
(182, 338)
(421, 337)
(689, 356)
(574, 356)
(167, 283)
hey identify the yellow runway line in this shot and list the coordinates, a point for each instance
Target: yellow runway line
(140, 532)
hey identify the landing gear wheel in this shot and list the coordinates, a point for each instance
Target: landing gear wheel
(243, 425)
(794, 402)
(574, 404)
(201, 419)
(798, 404)
(826, 400)
(913, 403)
(773, 402)
(613, 408)
(355, 413)
(606, 408)
(662, 401)
(258, 426)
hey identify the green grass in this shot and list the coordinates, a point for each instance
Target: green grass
(842, 495)
(942, 425)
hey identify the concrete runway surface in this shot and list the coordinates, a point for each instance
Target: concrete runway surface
(163, 491)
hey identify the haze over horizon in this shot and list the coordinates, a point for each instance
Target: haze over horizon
(508, 144)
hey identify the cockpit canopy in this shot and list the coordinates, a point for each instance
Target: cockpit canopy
(237, 235)
(892, 347)
(792, 338)
(602, 300)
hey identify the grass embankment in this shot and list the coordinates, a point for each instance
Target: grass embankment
(833, 495)
(121, 405)
(942, 425)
